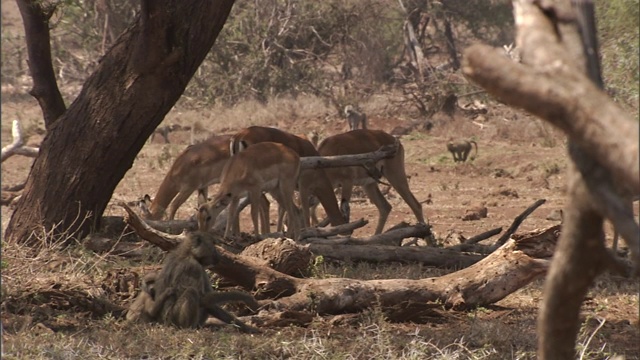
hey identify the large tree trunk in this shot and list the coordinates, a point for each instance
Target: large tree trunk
(91, 146)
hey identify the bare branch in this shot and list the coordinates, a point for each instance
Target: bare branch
(317, 162)
(17, 146)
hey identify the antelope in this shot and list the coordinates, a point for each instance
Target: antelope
(363, 141)
(264, 167)
(196, 168)
(311, 182)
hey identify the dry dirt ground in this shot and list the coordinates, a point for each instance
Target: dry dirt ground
(520, 161)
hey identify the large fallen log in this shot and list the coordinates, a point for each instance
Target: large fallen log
(428, 256)
(512, 266)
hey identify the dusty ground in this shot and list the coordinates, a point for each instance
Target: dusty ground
(519, 162)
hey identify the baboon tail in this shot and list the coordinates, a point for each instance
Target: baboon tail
(476, 146)
(222, 297)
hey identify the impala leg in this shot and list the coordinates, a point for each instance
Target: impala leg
(384, 208)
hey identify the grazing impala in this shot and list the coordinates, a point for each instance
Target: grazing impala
(363, 141)
(312, 181)
(264, 167)
(197, 167)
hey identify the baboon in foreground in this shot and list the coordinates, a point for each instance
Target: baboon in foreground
(460, 150)
(193, 299)
(356, 119)
(146, 306)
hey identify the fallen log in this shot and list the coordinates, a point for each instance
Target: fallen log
(515, 264)
(428, 256)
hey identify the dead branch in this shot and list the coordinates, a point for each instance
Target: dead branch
(162, 240)
(17, 146)
(516, 223)
(555, 37)
(318, 162)
(315, 232)
(395, 236)
(483, 236)
(512, 266)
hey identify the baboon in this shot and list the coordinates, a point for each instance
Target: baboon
(193, 299)
(146, 307)
(314, 137)
(164, 132)
(355, 118)
(460, 150)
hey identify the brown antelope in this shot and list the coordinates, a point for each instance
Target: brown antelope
(363, 141)
(312, 181)
(196, 168)
(264, 167)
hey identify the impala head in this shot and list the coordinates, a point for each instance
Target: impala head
(208, 213)
(144, 204)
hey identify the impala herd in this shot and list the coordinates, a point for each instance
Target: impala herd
(259, 160)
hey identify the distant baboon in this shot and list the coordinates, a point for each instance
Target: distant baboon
(460, 150)
(164, 132)
(183, 274)
(314, 137)
(355, 118)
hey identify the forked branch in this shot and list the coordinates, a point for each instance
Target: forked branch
(17, 147)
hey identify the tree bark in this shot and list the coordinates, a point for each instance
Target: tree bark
(89, 149)
(45, 88)
(603, 146)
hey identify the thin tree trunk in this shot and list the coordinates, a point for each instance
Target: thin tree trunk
(45, 88)
(89, 149)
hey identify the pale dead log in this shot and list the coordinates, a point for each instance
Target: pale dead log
(173, 226)
(428, 256)
(315, 232)
(283, 255)
(162, 240)
(509, 268)
(17, 146)
(319, 162)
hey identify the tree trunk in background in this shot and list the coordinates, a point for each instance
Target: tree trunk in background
(92, 145)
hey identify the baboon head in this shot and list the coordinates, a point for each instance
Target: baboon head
(201, 246)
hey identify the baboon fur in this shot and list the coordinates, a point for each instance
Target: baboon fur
(146, 306)
(192, 298)
(460, 150)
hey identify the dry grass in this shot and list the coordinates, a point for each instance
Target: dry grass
(38, 327)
